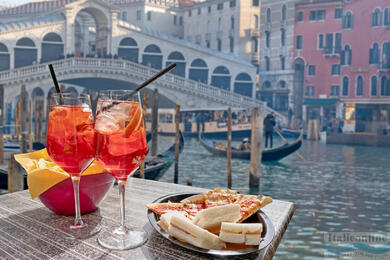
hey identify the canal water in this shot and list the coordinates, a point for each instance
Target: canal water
(338, 189)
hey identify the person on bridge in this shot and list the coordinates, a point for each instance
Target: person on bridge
(269, 123)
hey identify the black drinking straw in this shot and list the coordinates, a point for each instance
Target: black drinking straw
(167, 69)
(53, 76)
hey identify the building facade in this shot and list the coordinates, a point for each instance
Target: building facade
(276, 85)
(341, 64)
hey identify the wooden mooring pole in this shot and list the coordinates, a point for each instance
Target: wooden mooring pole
(154, 127)
(256, 136)
(144, 112)
(229, 149)
(1, 124)
(22, 116)
(40, 118)
(30, 136)
(15, 177)
(177, 129)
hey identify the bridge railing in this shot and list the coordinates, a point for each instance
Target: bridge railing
(177, 82)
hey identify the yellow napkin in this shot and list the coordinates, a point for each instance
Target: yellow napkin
(43, 173)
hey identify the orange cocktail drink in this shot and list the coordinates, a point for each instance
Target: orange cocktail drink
(70, 144)
(120, 148)
(70, 138)
(120, 138)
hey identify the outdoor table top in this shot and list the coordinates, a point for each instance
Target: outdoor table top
(28, 229)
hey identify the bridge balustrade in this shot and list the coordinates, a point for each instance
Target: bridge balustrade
(175, 82)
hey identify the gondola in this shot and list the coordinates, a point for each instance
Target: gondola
(274, 154)
(155, 167)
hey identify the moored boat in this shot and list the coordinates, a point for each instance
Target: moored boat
(274, 154)
(212, 122)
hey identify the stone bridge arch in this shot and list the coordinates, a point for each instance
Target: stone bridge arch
(78, 20)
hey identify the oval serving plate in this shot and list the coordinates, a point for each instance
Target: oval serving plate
(259, 217)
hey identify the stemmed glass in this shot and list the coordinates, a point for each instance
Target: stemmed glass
(120, 148)
(70, 144)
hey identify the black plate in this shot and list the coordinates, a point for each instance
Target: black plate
(260, 217)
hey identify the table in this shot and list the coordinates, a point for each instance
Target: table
(28, 228)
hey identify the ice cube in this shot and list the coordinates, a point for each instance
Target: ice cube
(106, 123)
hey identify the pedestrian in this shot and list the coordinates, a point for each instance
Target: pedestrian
(269, 123)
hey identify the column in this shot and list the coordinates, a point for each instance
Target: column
(12, 58)
(69, 33)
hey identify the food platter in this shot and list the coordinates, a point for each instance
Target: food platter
(259, 217)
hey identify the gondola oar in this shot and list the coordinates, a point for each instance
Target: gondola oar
(284, 140)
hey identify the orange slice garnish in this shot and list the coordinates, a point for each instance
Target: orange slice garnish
(135, 122)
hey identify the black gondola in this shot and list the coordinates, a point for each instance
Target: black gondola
(156, 167)
(274, 154)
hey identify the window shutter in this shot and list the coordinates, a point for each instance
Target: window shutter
(371, 53)
(373, 19)
(380, 19)
(342, 57)
(351, 21)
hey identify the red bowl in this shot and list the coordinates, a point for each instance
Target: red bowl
(93, 189)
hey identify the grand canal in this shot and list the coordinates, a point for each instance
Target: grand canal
(339, 188)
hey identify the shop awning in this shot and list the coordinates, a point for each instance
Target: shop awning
(320, 101)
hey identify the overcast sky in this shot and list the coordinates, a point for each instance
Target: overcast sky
(14, 2)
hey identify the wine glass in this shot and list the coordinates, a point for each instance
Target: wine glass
(120, 148)
(70, 144)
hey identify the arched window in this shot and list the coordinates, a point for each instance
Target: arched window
(284, 13)
(374, 85)
(232, 22)
(348, 20)
(267, 84)
(178, 58)
(267, 64)
(346, 56)
(243, 84)
(25, 52)
(4, 57)
(359, 86)
(387, 16)
(386, 55)
(25, 42)
(267, 39)
(268, 15)
(52, 47)
(385, 86)
(282, 37)
(152, 56)
(256, 21)
(219, 23)
(282, 84)
(128, 49)
(221, 77)
(345, 91)
(374, 54)
(199, 71)
(255, 44)
(376, 17)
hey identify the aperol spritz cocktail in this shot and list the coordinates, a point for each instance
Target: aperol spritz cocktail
(120, 148)
(120, 137)
(70, 144)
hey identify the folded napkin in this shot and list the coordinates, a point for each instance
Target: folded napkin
(43, 173)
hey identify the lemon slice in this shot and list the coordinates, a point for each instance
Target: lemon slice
(135, 122)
